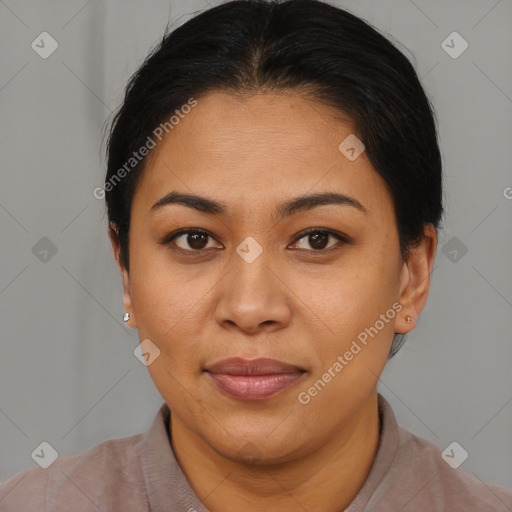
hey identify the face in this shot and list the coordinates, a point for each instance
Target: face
(313, 286)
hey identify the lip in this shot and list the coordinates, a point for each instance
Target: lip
(255, 379)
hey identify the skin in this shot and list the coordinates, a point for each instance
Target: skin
(294, 303)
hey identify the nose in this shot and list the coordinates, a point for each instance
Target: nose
(252, 296)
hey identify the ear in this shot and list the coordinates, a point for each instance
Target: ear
(127, 300)
(415, 279)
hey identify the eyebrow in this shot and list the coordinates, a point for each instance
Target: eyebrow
(283, 210)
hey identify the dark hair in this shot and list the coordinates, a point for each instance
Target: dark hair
(308, 46)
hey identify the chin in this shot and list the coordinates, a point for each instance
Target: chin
(252, 447)
(256, 454)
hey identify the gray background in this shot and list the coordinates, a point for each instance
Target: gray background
(68, 375)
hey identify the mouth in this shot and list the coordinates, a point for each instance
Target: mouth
(256, 379)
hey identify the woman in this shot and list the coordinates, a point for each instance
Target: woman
(274, 191)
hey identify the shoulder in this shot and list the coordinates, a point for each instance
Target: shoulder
(428, 480)
(106, 473)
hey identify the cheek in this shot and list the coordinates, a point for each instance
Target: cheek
(166, 299)
(356, 308)
(352, 296)
(166, 311)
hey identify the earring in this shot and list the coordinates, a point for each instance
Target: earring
(408, 319)
(126, 317)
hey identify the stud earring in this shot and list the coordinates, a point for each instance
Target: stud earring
(126, 317)
(408, 319)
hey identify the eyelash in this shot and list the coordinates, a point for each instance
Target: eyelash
(339, 236)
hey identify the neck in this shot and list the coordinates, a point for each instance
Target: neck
(327, 479)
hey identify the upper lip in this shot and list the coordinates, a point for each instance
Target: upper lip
(261, 366)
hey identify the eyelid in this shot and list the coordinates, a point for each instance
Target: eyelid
(336, 234)
(167, 239)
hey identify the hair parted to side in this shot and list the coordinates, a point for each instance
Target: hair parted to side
(305, 46)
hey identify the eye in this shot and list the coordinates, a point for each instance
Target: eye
(192, 240)
(318, 239)
(196, 240)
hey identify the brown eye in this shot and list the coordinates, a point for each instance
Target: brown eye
(196, 241)
(192, 240)
(318, 239)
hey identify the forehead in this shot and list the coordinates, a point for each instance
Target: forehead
(250, 149)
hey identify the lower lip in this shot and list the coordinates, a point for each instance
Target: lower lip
(254, 387)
